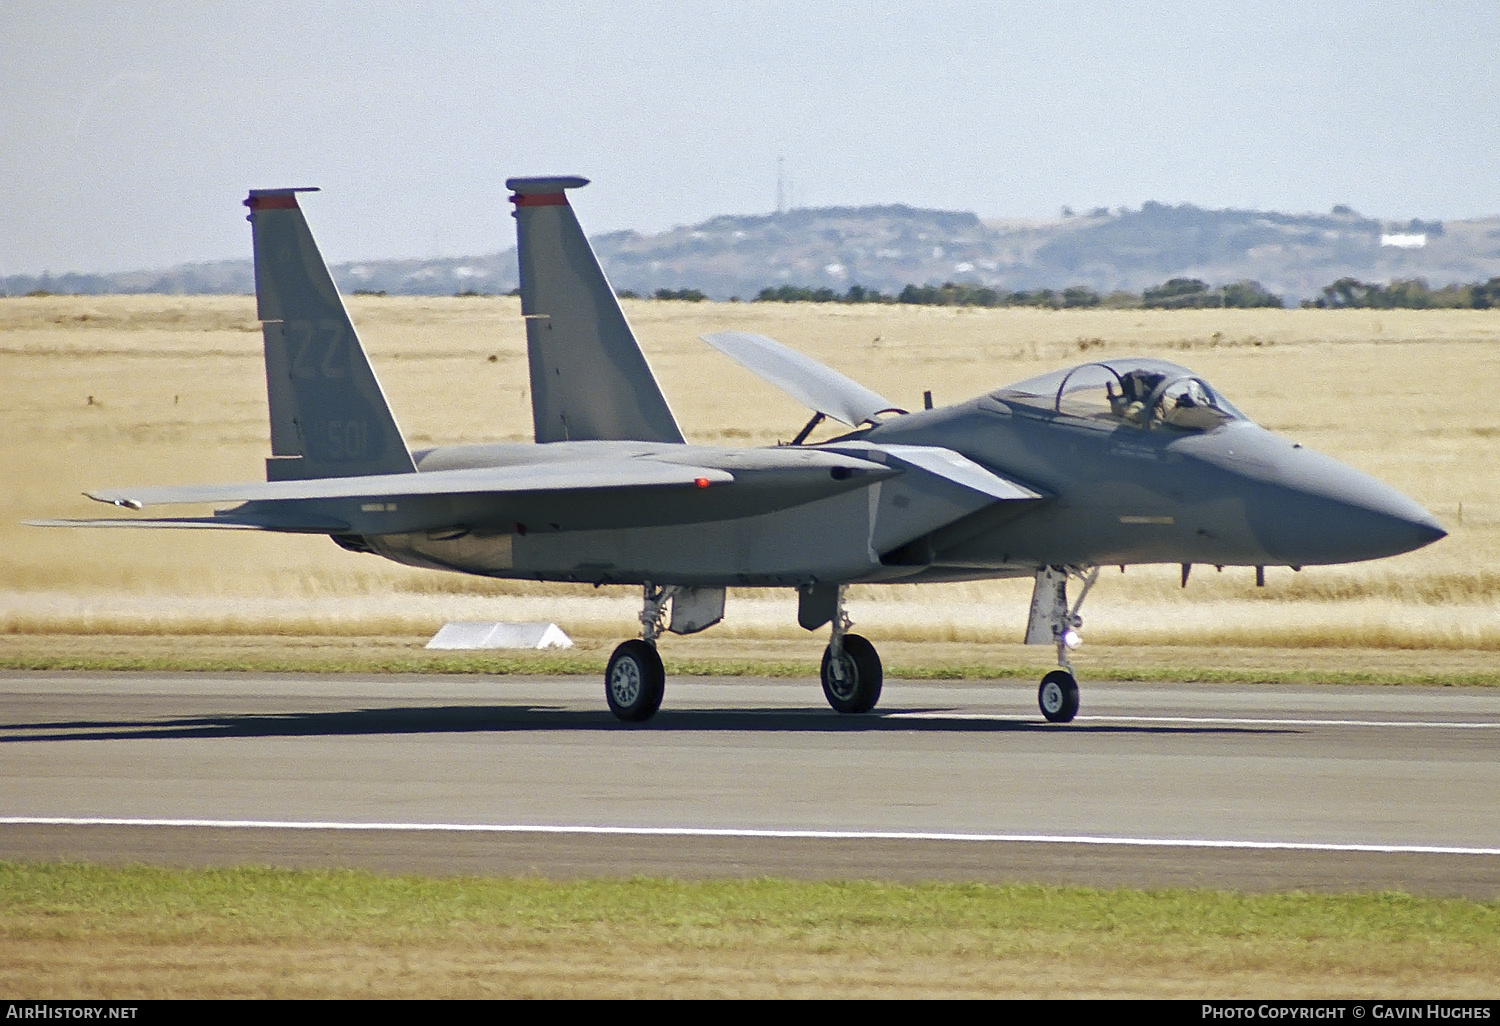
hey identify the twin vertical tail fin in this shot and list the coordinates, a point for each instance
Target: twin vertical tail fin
(589, 379)
(329, 417)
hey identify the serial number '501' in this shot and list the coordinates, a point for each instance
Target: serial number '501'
(340, 439)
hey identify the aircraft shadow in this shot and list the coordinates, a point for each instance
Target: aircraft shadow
(489, 718)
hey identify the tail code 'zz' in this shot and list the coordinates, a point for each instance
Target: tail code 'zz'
(329, 417)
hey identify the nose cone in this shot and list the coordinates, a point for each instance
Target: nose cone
(1353, 517)
(1305, 507)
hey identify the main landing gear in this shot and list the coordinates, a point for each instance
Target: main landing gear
(851, 667)
(1053, 622)
(635, 680)
(851, 672)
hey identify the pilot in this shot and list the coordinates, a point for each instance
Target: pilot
(1135, 388)
(1192, 408)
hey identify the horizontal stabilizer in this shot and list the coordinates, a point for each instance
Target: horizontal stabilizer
(960, 470)
(574, 474)
(815, 386)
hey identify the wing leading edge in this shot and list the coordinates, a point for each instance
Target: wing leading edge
(575, 475)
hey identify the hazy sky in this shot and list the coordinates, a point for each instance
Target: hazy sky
(131, 131)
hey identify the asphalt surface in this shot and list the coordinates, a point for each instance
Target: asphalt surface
(1162, 785)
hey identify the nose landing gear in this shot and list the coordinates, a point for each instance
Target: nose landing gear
(1058, 696)
(1053, 622)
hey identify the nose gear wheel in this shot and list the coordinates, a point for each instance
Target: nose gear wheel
(1058, 696)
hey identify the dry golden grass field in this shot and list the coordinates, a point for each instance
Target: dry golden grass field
(159, 389)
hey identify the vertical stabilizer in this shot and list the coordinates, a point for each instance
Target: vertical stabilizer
(589, 379)
(329, 417)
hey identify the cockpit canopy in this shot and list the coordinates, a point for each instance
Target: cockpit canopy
(1148, 394)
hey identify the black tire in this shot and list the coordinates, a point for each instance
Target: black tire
(1058, 696)
(634, 681)
(857, 688)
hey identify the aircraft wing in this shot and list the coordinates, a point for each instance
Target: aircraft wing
(587, 492)
(819, 388)
(534, 477)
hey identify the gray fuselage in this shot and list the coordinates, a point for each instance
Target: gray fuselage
(1112, 492)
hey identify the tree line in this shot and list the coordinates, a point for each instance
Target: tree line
(1176, 294)
(1409, 294)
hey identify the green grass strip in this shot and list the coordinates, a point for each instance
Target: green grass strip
(270, 904)
(573, 665)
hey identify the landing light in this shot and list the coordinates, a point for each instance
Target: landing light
(1071, 639)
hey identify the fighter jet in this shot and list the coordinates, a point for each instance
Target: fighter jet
(1120, 461)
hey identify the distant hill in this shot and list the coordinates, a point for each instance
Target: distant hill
(888, 247)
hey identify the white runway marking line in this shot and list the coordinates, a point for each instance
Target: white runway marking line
(1244, 721)
(747, 832)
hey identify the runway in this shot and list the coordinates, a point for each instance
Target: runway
(1273, 787)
